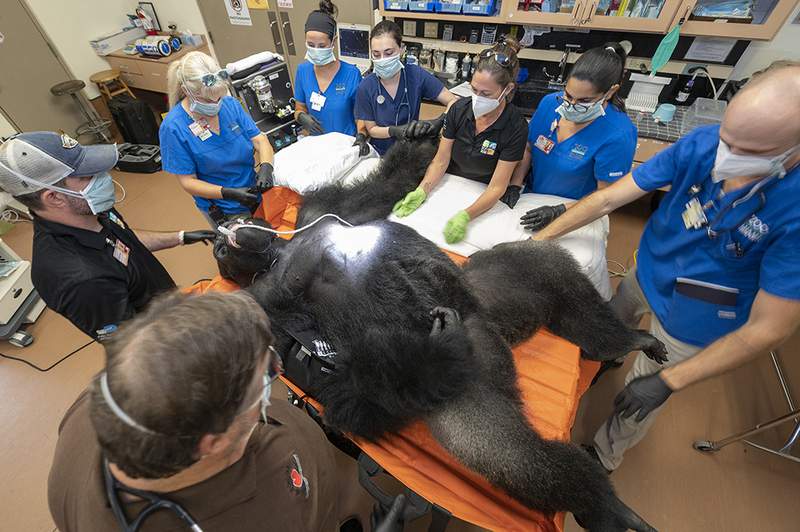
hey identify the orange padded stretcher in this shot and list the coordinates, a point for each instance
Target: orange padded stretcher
(552, 379)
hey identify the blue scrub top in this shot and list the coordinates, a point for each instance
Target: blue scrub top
(416, 83)
(336, 113)
(702, 288)
(603, 151)
(225, 159)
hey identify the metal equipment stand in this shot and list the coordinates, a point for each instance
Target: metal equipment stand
(794, 414)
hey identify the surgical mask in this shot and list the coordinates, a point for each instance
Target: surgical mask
(99, 193)
(205, 108)
(595, 110)
(482, 105)
(387, 67)
(320, 56)
(729, 165)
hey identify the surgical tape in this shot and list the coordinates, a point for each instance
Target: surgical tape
(230, 232)
(117, 410)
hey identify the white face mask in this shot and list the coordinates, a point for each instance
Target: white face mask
(729, 165)
(482, 105)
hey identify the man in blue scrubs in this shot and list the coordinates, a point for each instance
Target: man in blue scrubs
(719, 261)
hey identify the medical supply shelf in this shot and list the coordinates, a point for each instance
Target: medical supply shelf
(585, 14)
(634, 64)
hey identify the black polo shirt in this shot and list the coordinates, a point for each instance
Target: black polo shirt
(77, 275)
(475, 156)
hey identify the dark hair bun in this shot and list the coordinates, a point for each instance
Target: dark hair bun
(617, 48)
(326, 6)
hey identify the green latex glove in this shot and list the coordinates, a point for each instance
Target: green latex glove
(456, 228)
(410, 203)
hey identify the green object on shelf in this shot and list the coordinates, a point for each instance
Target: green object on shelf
(665, 49)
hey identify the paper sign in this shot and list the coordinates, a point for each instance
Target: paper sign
(258, 4)
(238, 12)
(287, 4)
(715, 49)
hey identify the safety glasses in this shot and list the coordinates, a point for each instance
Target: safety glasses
(210, 79)
(501, 58)
(580, 107)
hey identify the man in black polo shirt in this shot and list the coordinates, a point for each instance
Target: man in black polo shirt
(483, 139)
(87, 265)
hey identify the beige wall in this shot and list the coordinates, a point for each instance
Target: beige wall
(785, 45)
(71, 25)
(6, 129)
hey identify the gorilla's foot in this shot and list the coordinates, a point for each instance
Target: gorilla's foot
(617, 518)
(651, 346)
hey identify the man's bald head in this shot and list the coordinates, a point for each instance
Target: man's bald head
(764, 117)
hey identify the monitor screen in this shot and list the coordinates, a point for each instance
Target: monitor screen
(354, 43)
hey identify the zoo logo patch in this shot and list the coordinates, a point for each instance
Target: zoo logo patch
(488, 147)
(298, 484)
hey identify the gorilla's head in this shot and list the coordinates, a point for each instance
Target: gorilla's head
(252, 251)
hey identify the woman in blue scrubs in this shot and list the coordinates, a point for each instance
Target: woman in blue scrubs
(325, 88)
(207, 141)
(579, 137)
(389, 99)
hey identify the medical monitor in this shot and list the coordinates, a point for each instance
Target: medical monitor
(353, 44)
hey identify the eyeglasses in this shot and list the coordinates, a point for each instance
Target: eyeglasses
(580, 107)
(501, 58)
(210, 79)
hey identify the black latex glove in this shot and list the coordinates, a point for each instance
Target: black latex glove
(424, 128)
(642, 394)
(310, 123)
(264, 179)
(205, 236)
(444, 318)
(398, 132)
(511, 195)
(392, 521)
(535, 219)
(363, 146)
(243, 195)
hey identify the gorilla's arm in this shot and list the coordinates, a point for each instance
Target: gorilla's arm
(372, 198)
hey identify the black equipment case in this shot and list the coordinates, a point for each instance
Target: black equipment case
(135, 120)
(139, 158)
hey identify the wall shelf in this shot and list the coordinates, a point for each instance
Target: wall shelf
(449, 17)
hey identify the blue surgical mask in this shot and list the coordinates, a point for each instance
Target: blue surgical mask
(99, 193)
(320, 56)
(205, 108)
(569, 112)
(387, 67)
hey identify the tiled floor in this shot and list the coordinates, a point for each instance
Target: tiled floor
(674, 487)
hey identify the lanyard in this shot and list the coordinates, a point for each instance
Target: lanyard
(715, 226)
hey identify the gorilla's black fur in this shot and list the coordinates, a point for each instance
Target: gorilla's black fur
(372, 198)
(369, 291)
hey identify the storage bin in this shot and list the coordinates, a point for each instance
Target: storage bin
(422, 6)
(449, 7)
(702, 112)
(484, 7)
(395, 5)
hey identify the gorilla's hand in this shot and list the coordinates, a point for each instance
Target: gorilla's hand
(652, 347)
(536, 219)
(618, 518)
(391, 521)
(444, 318)
(511, 195)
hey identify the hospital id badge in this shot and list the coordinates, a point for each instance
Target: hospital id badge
(693, 216)
(199, 130)
(545, 144)
(317, 101)
(121, 252)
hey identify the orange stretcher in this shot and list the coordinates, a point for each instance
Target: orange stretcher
(551, 376)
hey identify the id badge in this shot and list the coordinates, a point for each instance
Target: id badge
(317, 101)
(545, 144)
(121, 252)
(199, 130)
(694, 217)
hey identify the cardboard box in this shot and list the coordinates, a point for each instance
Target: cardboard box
(111, 43)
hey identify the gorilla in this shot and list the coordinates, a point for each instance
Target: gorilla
(418, 338)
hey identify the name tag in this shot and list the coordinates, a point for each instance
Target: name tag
(693, 216)
(200, 131)
(545, 144)
(317, 101)
(488, 147)
(121, 252)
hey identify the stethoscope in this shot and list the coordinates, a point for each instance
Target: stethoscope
(156, 503)
(714, 227)
(381, 99)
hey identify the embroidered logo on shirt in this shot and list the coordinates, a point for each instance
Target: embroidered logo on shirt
(297, 482)
(488, 147)
(616, 174)
(754, 229)
(578, 151)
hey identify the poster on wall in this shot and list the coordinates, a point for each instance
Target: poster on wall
(286, 4)
(238, 12)
(258, 4)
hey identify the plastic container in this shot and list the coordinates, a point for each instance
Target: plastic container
(702, 112)
(395, 5)
(422, 6)
(483, 7)
(454, 6)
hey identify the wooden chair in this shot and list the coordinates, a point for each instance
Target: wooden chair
(110, 84)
